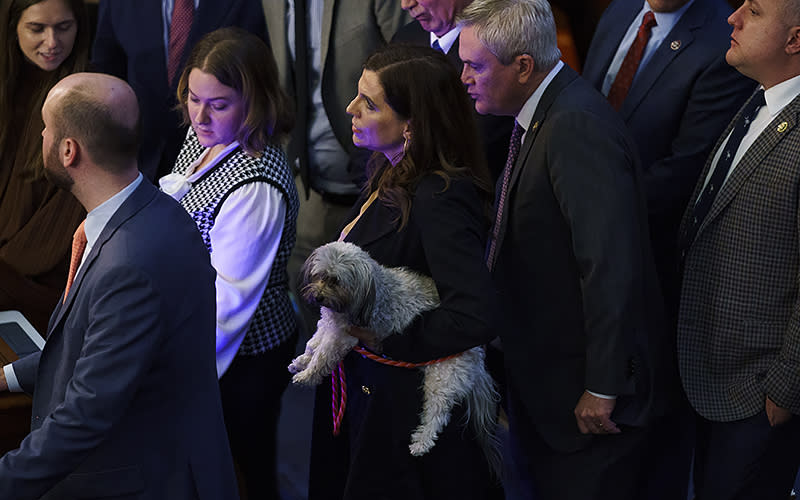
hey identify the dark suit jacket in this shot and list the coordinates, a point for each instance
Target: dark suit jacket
(129, 44)
(575, 270)
(444, 239)
(739, 322)
(675, 110)
(125, 393)
(495, 131)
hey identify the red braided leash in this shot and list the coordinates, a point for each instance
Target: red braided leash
(339, 385)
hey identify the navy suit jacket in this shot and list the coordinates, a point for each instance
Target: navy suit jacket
(495, 131)
(125, 393)
(129, 44)
(678, 105)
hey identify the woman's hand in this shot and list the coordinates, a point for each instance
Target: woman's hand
(367, 337)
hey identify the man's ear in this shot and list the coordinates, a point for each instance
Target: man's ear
(793, 43)
(69, 150)
(525, 67)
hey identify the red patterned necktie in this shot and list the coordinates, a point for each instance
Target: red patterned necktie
(179, 28)
(513, 152)
(624, 79)
(78, 247)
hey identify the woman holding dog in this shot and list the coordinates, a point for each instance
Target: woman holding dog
(234, 180)
(425, 208)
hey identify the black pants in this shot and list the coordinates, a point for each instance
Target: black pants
(746, 459)
(251, 392)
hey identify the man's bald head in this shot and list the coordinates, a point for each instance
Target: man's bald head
(101, 113)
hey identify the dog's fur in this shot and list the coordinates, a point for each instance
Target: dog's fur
(353, 289)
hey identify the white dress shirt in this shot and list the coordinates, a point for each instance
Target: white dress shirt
(447, 40)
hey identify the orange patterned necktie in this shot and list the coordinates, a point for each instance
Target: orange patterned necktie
(78, 247)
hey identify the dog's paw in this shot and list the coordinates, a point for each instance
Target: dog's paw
(307, 377)
(299, 364)
(421, 443)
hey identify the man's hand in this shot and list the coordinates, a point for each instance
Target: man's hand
(594, 415)
(3, 383)
(776, 414)
(367, 337)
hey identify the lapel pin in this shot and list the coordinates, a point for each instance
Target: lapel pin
(675, 45)
(535, 126)
(782, 127)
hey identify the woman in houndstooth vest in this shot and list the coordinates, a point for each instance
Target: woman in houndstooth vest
(234, 180)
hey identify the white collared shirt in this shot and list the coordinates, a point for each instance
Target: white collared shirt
(447, 40)
(665, 21)
(525, 114)
(776, 97)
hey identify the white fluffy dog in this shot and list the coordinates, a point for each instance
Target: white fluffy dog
(353, 289)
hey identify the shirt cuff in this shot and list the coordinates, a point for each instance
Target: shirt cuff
(601, 396)
(11, 379)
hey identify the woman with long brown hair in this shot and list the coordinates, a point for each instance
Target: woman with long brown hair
(44, 40)
(424, 207)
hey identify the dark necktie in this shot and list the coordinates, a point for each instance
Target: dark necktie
(78, 247)
(435, 46)
(706, 198)
(302, 95)
(179, 28)
(624, 79)
(513, 151)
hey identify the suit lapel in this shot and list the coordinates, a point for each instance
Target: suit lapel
(453, 54)
(327, 27)
(763, 145)
(681, 36)
(374, 224)
(595, 70)
(562, 79)
(138, 199)
(556, 86)
(276, 28)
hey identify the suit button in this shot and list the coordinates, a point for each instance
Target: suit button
(365, 390)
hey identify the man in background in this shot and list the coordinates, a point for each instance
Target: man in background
(146, 43)
(435, 25)
(676, 100)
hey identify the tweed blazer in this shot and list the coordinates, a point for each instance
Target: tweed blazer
(739, 320)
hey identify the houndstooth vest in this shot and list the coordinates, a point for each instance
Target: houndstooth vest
(274, 320)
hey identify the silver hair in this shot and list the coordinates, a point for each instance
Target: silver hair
(509, 28)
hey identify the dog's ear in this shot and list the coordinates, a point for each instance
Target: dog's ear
(366, 301)
(306, 271)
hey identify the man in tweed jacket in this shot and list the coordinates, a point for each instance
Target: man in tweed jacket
(739, 320)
